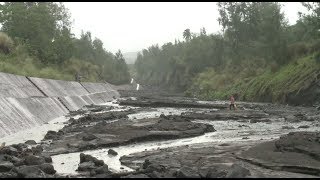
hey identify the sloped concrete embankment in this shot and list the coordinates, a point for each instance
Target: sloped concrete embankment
(26, 102)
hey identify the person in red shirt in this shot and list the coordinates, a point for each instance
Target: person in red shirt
(232, 103)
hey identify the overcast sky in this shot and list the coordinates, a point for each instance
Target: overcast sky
(133, 26)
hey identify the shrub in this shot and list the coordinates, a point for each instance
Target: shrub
(6, 43)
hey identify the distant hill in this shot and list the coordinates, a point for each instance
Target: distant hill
(130, 57)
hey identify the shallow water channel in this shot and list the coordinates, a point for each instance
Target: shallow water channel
(227, 131)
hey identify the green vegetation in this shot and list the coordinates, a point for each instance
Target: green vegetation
(36, 40)
(257, 56)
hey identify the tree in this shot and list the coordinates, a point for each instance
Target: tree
(203, 31)
(312, 20)
(35, 23)
(187, 34)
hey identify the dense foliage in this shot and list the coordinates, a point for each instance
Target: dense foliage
(256, 41)
(36, 40)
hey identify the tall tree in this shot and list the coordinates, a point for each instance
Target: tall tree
(35, 23)
(187, 34)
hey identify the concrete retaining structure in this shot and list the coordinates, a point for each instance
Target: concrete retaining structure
(26, 102)
(17, 114)
(58, 88)
(17, 86)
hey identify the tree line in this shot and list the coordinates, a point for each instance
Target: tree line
(42, 32)
(255, 38)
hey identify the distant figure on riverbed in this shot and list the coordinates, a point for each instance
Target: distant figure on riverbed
(232, 103)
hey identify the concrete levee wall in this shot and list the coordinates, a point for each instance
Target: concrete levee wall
(17, 86)
(26, 102)
(59, 88)
(17, 114)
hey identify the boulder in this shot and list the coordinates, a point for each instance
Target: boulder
(9, 150)
(86, 166)
(237, 171)
(51, 135)
(89, 158)
(47, 158)
(102, 170)
(30, 172)
(85, 158)
(112, 152)
(31, 142)
(34, 160)
(20, 146)
(37, 150)
(98, 162)
(6, 166)
(17, 161)
(47, 168)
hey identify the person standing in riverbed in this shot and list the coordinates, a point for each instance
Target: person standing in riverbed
(232, 103)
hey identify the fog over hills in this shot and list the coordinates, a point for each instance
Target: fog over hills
(130, 57)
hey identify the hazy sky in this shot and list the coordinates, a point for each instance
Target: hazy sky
(132, 26)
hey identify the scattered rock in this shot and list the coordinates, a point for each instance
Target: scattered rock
(112, 152)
